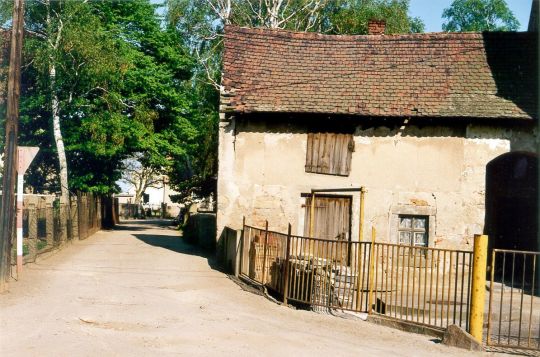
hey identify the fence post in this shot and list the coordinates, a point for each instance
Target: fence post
(63, 221)
(99, 216)
(359, 252)
(241, 251)
(32, 231)
(80, 209)
(312, 215)
(358, 279)
(361, 218)
(264, 253)
(478, 292)
(492, 271)
(237, 251)
(49, 224)
(286, 269)
(371, 268)
(74, 211)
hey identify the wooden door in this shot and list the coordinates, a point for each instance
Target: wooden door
(332, 222)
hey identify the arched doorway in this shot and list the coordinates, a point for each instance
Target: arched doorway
(512, 201)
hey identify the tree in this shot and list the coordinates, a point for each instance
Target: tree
(155, 85)
(73, 67)
(140, 176)
(479, 15)
(351, 17)
(119, 87)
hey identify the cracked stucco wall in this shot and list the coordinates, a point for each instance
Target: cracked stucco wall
(434, 171)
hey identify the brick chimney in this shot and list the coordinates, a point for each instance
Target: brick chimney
(376, 27)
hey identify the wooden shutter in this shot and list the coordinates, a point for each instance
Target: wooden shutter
(329, 153)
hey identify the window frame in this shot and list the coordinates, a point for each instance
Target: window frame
(412, 230)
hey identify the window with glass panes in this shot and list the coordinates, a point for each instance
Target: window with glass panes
(413, 230)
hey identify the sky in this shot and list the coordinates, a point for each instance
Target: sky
(430, 12)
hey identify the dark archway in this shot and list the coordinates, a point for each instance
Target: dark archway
(512, 201)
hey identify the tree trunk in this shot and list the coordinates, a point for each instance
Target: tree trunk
(55, 108)
(138, 194)
(64, 186)
(65, 201)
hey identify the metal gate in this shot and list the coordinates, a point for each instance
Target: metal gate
(514, 300)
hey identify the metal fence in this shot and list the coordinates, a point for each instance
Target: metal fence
(263, 256)
(48, 226)
(514, 302)
(423, 285)
(328, 273)
(427, 286)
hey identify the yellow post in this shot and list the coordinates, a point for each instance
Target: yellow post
(361, 223)
(371, 269)
(312, 215)
(478, 293)
(359, 250)
(286, 268)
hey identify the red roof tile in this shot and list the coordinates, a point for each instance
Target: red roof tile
(489, 75)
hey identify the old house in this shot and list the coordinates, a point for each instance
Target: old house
(415, 119)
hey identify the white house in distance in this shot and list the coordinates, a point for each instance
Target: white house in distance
(156, 197)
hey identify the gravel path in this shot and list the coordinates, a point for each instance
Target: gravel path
(141, 291)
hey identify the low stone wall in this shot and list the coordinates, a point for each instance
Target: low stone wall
(228, 250)
(201, 230)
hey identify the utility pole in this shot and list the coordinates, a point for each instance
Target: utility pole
(7, 209)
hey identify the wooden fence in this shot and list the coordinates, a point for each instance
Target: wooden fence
(49, 224)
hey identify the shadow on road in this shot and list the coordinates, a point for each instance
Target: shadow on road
(127, 227)
(177, 244)
(142, 224)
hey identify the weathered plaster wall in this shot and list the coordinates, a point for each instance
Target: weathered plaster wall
(434, 171)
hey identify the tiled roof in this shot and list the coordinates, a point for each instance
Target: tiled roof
(475, 75)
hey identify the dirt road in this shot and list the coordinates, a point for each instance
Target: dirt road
(141, 291)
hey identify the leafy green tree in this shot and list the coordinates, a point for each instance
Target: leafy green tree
(206, 18)
(351, 17)
(479, 15)
(154, 85)
(121, 86)
(73, 71)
